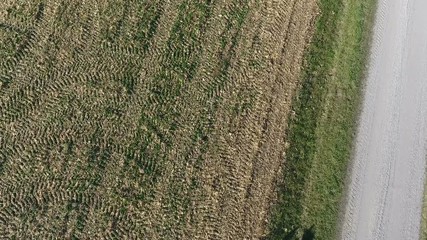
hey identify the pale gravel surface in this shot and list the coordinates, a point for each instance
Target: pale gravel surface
(387, 179)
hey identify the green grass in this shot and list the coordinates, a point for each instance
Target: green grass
(322, 131)
(423, 234)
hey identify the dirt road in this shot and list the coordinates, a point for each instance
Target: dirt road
(386, 186)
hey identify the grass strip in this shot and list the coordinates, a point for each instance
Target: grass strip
(423, 233)
(322, 131)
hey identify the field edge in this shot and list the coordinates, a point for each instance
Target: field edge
(322, 131)
(423, 232)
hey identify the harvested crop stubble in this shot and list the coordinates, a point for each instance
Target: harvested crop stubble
(155, 119)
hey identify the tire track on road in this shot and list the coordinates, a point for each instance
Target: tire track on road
(385, 193)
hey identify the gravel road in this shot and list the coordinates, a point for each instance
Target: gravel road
(386, 186)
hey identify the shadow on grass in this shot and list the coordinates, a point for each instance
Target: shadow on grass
(291, 235)
(308, 234)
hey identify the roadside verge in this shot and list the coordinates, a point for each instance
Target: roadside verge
(423, 234)
(321, 132)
